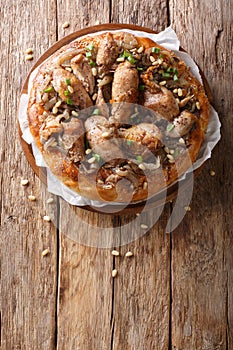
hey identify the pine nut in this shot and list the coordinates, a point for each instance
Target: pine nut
(24, 182)
(120, 59)
(49, 200)
(70, 89)
(115, 253)
(29, 50)
(65, 25)
(31, 198)
(91, 160)
(140, 50)
(144, 226)
(114, 273)
(94, 71)
(29, 57)
(142, 166)
(129, 254)
(198, 105)
(187, 208)
(45, 252)
(180, 92)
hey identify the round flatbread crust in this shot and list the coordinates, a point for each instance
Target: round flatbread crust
(67, 168)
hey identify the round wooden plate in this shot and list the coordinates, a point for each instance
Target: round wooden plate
(153, 202)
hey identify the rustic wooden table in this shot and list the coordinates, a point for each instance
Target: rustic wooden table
(176, 292)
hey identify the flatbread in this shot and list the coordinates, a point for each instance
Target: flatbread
(117, 117)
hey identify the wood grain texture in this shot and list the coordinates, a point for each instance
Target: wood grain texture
(175, 292)
(141, 311)
(151, 14)
(202, 276)
(85, 282)
(28, 286)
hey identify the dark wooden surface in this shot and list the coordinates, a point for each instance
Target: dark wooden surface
(175, 293)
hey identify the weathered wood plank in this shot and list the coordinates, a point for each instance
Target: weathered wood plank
(28, 286)
(80, 14)
(141, 311)
(131, 311)
(85, 281)
(151, 14)
(85, 293)
(202, 277)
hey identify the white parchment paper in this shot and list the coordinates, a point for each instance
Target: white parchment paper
(169, 40)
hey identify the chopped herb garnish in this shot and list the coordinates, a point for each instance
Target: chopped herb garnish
(141, 87)
(169, 69)
(175, 78)
(68, 82)
(170, 127)
(69, 101)
(126, 54)
(166, 75)
(176, 152)
(131, 59)
(66, 93)
(88, 54)
(96, 111)
(49, 89)
(139, 159)
(139, 69)
(175, 70)
(155, 49)
(90, 47)
(92, 63)
(129, 142)
(97, 157)
(161, 56)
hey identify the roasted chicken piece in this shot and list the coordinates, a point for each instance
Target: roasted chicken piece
(73, 139)
(82, 70)
(157, 97)
(101, 138)
(125, 83)
(162, 102)
(124, 91)
(182, 124)
(107, 54)
(142, 139)
(70, 89)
